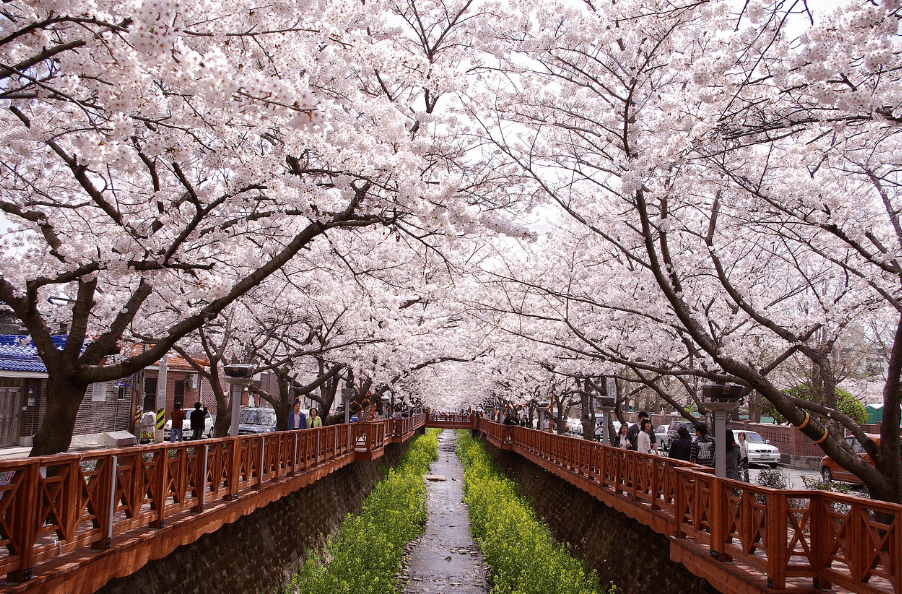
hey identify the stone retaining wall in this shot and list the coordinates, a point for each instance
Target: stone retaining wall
(256, 553)
(623, 551)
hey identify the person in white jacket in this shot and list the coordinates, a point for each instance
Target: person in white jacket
(644, 443)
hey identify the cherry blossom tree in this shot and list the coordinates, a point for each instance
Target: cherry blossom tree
(161, 159)
(738, 173)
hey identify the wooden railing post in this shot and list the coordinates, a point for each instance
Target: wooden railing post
(159, 484)
(655, 486)
(679, 504)
(200, 478)
(106, 540)
(25, 520)
(235, 467)
(776, 541)
(602, 463)
(716, 518)
(820, 533)
(261, 469)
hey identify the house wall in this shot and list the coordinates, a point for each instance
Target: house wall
(113, 413)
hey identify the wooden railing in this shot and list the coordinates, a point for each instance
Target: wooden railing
(780, 539)
(54, 505)
(438, 419)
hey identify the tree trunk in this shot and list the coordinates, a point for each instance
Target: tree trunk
(223, 422)
(587, 416)
(283, 405)
(63, 400)
(754, 400)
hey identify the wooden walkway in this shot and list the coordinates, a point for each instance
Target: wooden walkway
(72, 522)
(743, 538)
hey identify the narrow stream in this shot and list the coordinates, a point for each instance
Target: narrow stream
(445, 558)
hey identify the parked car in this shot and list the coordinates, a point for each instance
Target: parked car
(831, 471)
(759, 449)
(252, 421)
(574, 426)
(186, 426)
(599, 431)
(675, 426)
(662, 438)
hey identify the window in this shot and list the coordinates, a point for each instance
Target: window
(179, 396)
(98, 392)
(150, 393)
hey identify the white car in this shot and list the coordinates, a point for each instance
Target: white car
(186, 427)
(599, 431)
(760, 451)
(574, 426)
(661, 438)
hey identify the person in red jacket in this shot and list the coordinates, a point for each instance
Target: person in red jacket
(177, 417)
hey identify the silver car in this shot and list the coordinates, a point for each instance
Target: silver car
(186, 426)
(661, 438)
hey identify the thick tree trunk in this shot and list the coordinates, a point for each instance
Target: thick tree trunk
(754, 400)
(223, 421)
(889, 453)
(63, 400)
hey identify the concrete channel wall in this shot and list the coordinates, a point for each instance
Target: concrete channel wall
(256, 553)
(623, 551)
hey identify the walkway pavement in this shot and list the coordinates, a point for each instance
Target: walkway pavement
(84, 444)
(445, 558)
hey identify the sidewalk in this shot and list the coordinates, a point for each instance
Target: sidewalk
(87, 444)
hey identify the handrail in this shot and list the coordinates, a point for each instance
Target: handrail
(832, 538)
(53, 505)
(443, 417)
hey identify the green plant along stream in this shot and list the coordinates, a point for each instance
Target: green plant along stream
(519, 549)
(366, 553)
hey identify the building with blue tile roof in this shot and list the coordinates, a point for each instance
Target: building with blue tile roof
(23, 387)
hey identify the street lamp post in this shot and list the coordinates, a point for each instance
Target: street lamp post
(720, 399)
(606, 404)
(240, 376)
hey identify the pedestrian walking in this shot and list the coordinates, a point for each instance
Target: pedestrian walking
(733, 457)
(681, 447)
(643, 441)
(177, 419)
(703, 447)
(198, 420)
(297, 419)
(636, 428)
(622, 440)
(743, 458)
(314, 420)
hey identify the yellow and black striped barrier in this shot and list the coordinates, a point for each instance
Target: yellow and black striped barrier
(161, 419)
(138, 414)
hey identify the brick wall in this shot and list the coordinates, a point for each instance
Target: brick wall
(32, 415)
(629, 554)
(256, 553)
(787, 438)
(111, 414)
